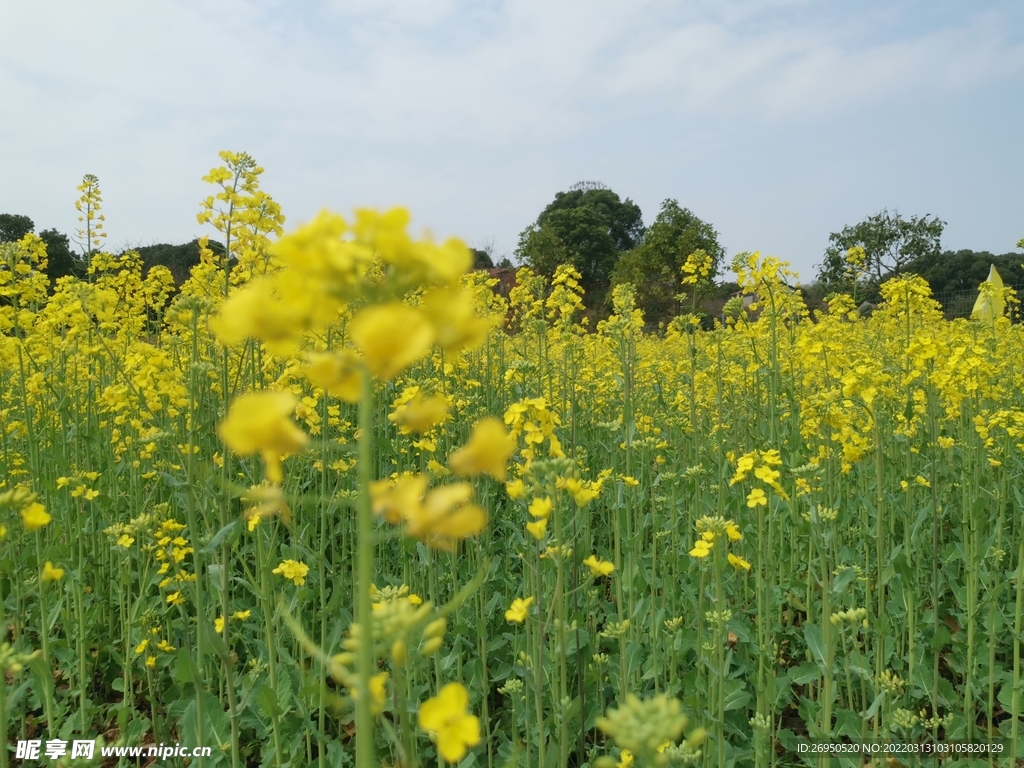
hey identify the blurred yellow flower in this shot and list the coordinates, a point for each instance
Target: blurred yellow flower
(519, 610)
(738, 562)
(446, 719)
(599, 567)
(256, 311)
(391, 336)
(339, 374)
(446, 517)
(487, 452)
(540, 507)
(516, 489)
(421, 413)
(456, 324)
(378, 692)
(50, 573)
(538, 528)
(394, 500)
(260, 422)
(34, 516)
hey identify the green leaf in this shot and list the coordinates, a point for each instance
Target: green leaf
(213, 641)
(184, 668)
(736, 695)
(268, 702)
(874, 706)
(842, 581)
(816, 643)
(806, 673)
(229, 532)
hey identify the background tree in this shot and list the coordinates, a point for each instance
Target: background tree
(890, 242)
(179, 259)
(13, 227)
(60, 259)
(589, 227)
(654, 267)
(481, 259)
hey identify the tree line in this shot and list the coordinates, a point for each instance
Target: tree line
(603, 236)
(62, 261)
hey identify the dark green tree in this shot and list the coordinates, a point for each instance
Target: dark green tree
(481, 259)
(60, 259)
(954, 276)
(655, 266)
(179, 259)
(589, 227)
(13, 227)
(890, 242)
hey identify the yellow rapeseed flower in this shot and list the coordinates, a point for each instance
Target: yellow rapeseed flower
(756, 497)
(256, 311)
(538, 528)
(516, 489)
(519, 610)
(378, 692)
(738, 562)
(421, 413)
(395, 500)
(446, 516)
(294, 570)
(446, 719)
(391, 336)
(260, 422)
(580, 493)
(50, 573)
(599, 567)
(34, 516)
(339, 374)
(540, 508)
(456, 325)
(487, 452)
(701, 548)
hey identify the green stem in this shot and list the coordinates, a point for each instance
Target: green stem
(365, 743)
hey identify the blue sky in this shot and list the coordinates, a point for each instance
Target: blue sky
(777, 121)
